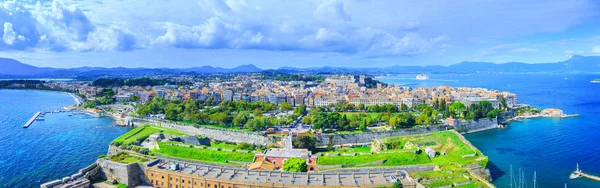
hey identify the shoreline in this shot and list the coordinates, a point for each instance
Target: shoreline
(517, 118)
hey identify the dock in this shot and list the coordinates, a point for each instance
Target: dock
(578, 173)
(35, 116)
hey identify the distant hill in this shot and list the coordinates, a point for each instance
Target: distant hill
(10, 68)
(576, 64)
(16, 68)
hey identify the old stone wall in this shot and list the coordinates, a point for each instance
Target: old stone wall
(465, 127)
(213, 133)
(338, 139)
(507, 115)
(130, 174)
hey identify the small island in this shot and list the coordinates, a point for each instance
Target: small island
(596, 80)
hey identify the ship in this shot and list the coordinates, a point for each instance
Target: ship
(422, 77)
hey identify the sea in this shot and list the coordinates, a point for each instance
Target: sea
(51, 149)
(548, 147)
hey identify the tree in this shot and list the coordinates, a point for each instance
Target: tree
(134, 98)
(403, 107)
(284, 106)
(241, 118)
(457, 108)
(503, 102)
(306, 120)
(299, 110)
(363, 125)
(305, 141)
(295, 165)
(361, 106)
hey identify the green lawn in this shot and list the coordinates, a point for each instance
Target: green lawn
(223, 145)
(394, 158)
(143, 132)
(360, 149)
(126, 158)
(206, 155)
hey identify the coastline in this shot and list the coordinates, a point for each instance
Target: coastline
(517, 118)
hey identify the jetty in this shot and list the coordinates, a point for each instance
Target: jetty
(578, 173)
(35, 116)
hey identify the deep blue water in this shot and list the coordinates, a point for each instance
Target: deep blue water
(50, 149)
(551, 147)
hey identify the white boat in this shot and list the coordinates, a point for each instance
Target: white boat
(422, 77)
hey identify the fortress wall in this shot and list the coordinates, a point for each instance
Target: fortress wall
(236, 136)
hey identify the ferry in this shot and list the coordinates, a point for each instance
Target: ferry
(422, 77)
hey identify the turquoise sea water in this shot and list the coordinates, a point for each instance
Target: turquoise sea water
(50, 149)
(551, 147)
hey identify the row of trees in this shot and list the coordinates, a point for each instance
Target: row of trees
(345, 106)
(321, 119)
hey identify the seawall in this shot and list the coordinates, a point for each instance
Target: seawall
(484, 124)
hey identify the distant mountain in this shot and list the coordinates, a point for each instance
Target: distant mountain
(211, 69)
(576, 64)
(10, 68)
(16, 68)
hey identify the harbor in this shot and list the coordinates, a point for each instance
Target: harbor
(39, 116)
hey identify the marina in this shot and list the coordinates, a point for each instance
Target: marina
(39, 116)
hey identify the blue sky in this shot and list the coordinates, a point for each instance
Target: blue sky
(309, 33)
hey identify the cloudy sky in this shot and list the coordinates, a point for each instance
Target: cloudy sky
(301, 33)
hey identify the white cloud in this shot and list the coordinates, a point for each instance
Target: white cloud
(9, 35)
(58, 28)
(596, 49)
(368, 28)
(332, 10)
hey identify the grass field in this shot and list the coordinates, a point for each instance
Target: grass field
(126, 158)
(394, 158)
(206, 155)
(445, 141)
(400, 152)
(142, 132)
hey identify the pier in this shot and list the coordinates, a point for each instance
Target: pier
(578, 173)
(40, 114)
(35, 116)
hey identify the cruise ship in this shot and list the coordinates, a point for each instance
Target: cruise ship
(422, 77)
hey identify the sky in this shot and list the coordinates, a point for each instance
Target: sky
(299, 33)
